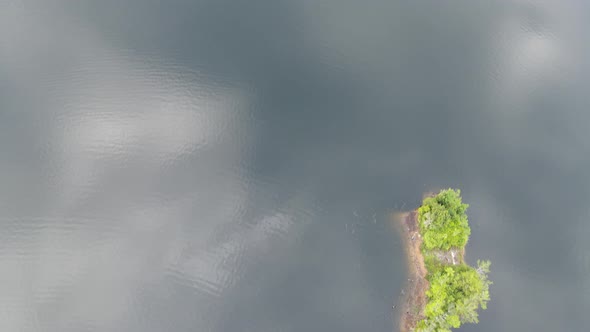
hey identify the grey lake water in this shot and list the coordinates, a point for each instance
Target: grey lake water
(216, 165)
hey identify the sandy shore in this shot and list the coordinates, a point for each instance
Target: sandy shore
(414, 297)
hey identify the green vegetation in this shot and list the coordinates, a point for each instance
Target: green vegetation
(443, 222)
(457, 290)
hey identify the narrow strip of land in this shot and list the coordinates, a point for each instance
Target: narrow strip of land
(414, 297)
(442, 291)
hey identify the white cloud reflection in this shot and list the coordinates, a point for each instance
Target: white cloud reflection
(114, 232)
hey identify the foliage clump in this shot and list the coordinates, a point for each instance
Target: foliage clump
(443, 222)
(457, 290)
(456, 293)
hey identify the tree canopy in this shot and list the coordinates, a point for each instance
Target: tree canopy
(443, 222)
(456, 291)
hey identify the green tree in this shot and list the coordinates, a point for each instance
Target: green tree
(443, 222)
(456, 293)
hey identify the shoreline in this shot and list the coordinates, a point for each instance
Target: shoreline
(413, 298)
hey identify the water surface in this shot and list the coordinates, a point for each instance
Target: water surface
(231, 166)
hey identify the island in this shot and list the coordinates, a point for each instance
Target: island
(443, 291)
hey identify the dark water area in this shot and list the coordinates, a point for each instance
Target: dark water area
(231, 165)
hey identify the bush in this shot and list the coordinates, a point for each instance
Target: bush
(443, 222)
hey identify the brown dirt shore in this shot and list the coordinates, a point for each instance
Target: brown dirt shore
(414, 297)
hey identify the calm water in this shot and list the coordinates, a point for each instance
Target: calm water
(226, 165)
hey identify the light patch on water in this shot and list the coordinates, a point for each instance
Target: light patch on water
(118, 113)
(530, 51)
